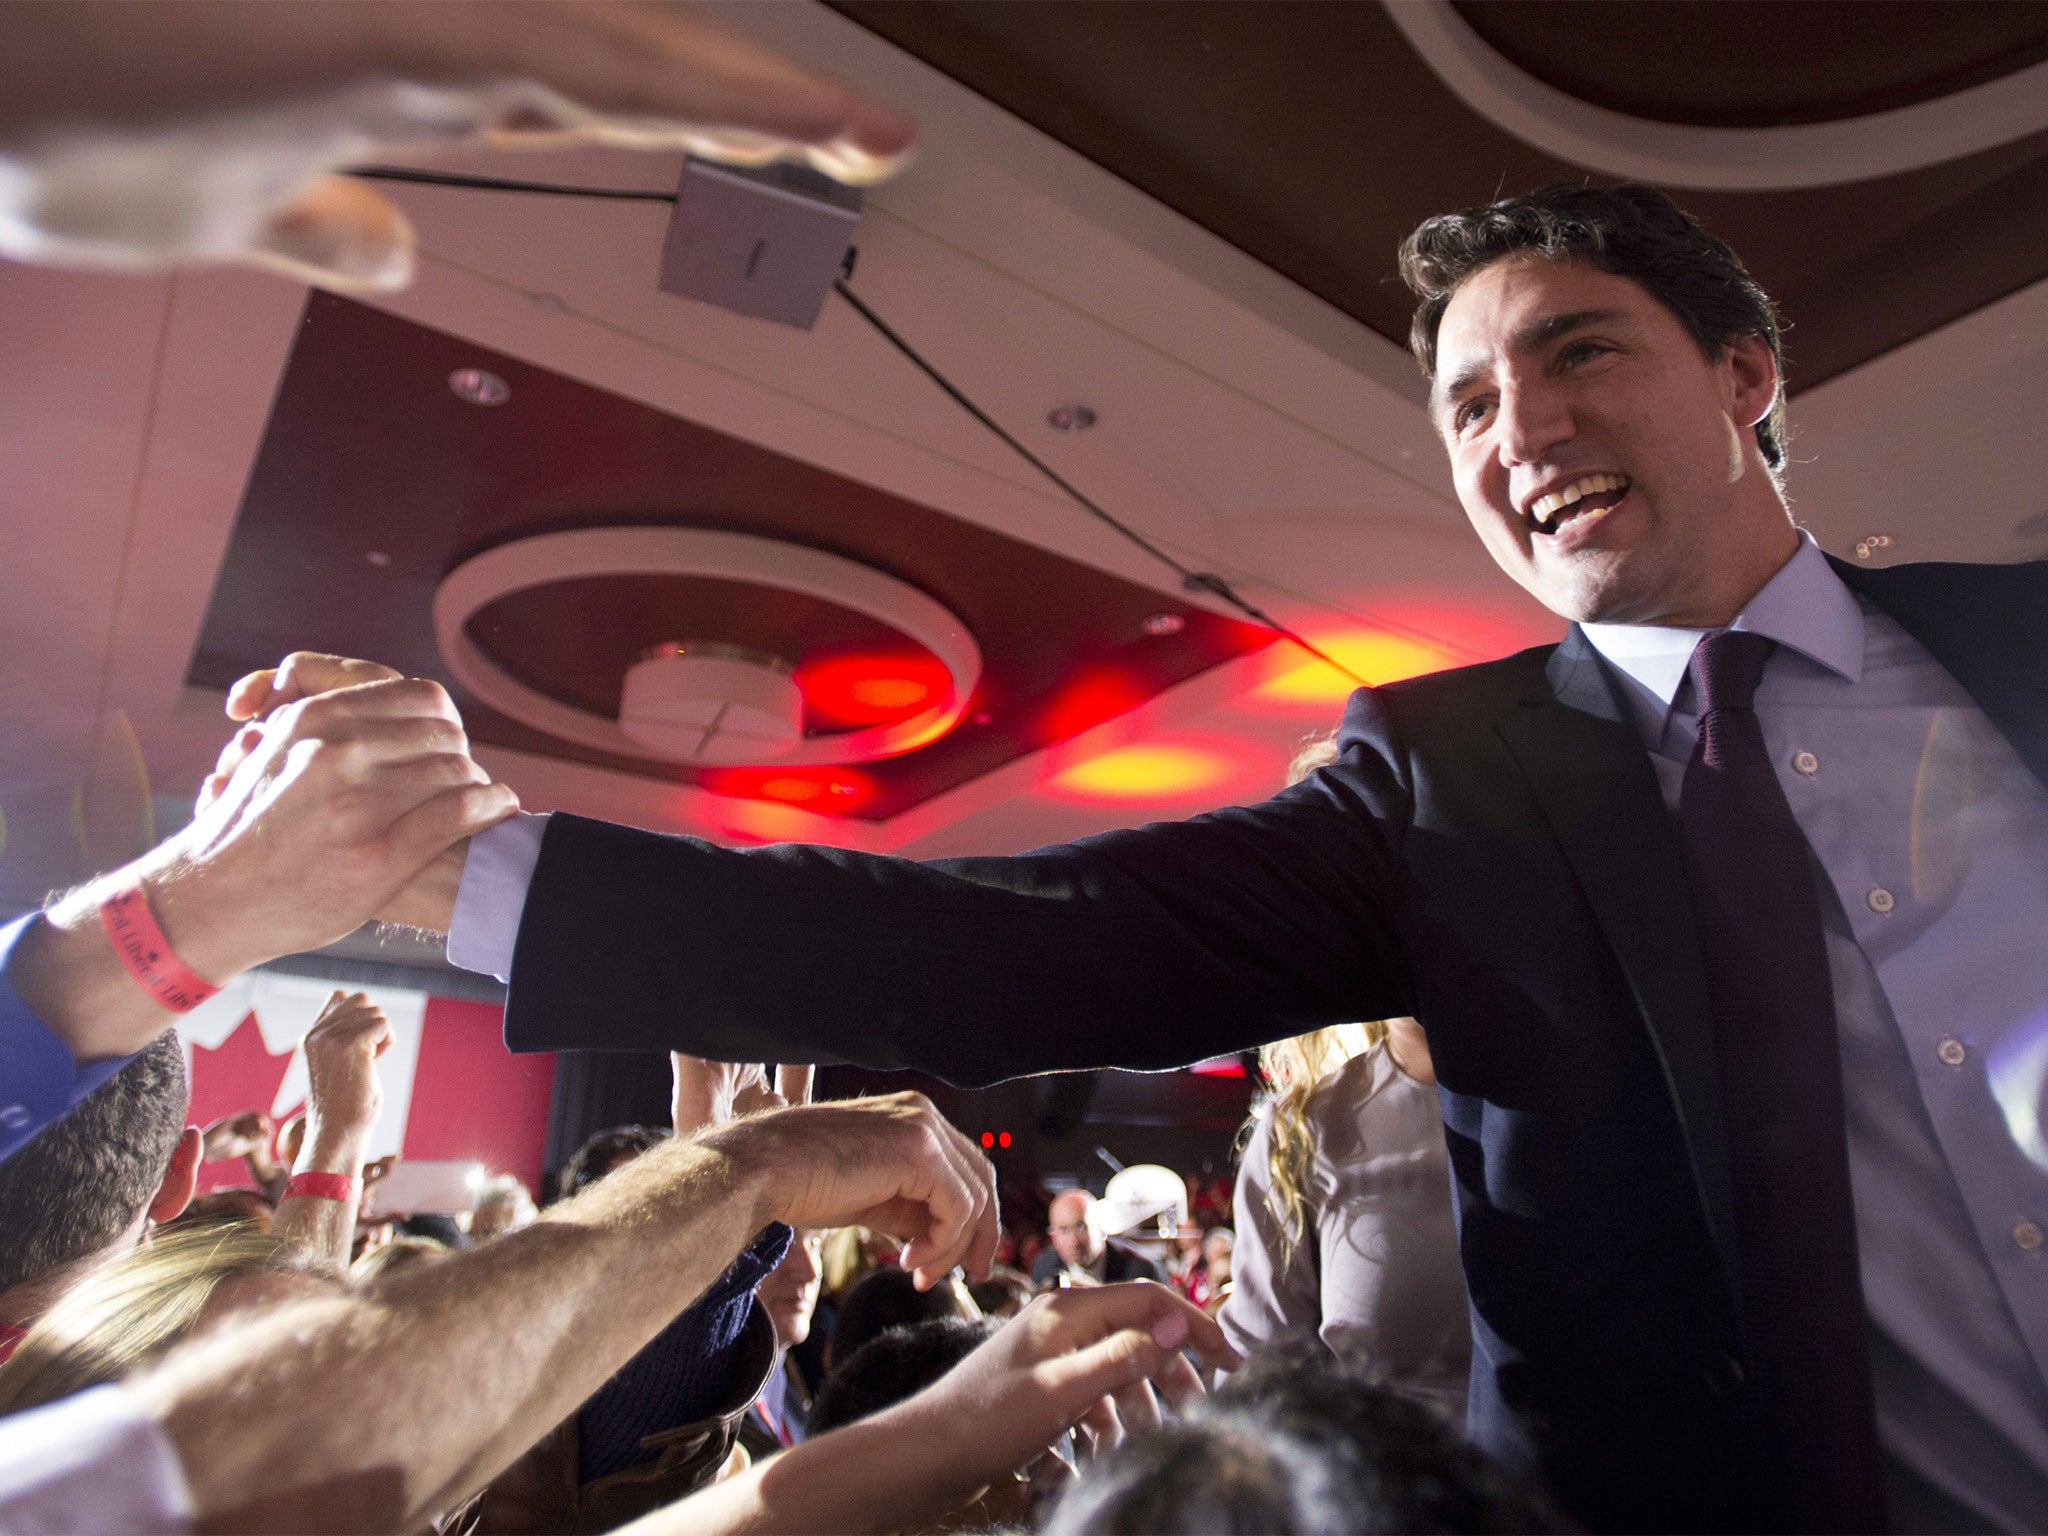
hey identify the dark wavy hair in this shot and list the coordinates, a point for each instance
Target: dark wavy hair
(1631, 231)
(77, 1186)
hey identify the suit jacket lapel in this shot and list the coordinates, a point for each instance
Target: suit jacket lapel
(1586, 766)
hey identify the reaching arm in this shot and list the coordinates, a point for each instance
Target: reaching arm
(908, 1466)
(401, 1400)
(1146, 948)
(343, 1098)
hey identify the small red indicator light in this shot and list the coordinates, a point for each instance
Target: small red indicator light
(1003, 1140)
(988, 1138)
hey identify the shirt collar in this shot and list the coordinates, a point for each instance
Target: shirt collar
(1805, 608)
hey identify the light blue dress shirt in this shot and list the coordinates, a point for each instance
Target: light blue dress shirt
(1931, 841)
(1932, 838)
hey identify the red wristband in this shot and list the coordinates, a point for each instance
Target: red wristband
(148, 954)
(321, 1186)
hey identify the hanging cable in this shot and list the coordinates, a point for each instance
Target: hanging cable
(1191, 580)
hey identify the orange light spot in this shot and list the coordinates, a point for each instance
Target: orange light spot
(871, 690)
(1144, 772)
(1373, 654)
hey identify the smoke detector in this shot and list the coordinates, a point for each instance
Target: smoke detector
(703, 702)
(697, 701)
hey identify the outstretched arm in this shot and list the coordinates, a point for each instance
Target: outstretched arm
(1053, 1364)
(370, 1411)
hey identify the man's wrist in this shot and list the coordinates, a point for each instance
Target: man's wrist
(333, 1152)
(66, 970)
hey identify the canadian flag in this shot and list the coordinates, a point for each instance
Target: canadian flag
(451, 1089)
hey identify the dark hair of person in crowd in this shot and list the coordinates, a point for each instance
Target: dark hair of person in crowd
(897, 1364)
(887, 1298)
(1630, 231)
(1300, 1442)
(131, 1310)
(79, 1185)
(602, 1153)
(1005, 1292)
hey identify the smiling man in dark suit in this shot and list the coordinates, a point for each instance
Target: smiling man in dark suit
(1724, 917)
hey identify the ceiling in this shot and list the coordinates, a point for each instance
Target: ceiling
(1179, 215)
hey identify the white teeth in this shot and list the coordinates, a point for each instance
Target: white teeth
(1546, 507)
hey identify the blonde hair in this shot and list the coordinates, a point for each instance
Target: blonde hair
(127, 1313)
(1292, 1068)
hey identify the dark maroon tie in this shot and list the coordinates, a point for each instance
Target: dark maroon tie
(1805, 1354)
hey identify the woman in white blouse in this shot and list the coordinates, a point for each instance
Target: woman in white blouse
(1344, 1220)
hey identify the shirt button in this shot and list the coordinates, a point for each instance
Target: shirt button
(13, 1117)
(1806, 763)
(2027, 1235)
(1880, 899)
(1951, 1051)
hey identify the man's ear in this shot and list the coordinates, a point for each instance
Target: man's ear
(180, 1179)
(1753, 370)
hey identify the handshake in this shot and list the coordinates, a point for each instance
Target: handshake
(346, 796)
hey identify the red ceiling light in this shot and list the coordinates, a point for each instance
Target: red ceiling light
(827, 791)
(1087, 702)
(871, 690)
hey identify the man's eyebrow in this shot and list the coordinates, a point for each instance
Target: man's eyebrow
(1538, 332)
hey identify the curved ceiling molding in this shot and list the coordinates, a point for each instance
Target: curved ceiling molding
(1719, 159)
(582, 552)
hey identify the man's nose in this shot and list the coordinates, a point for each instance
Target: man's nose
(1534, 419)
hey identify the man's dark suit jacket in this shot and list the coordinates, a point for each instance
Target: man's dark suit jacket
(1119, 1262)
(1490, 853)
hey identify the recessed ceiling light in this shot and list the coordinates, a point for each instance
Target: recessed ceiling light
(1160, 625)
(1071, 417)
(378, 558)
(478, 387)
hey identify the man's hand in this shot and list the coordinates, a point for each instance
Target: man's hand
(239, 110)
(343, 1096)
(386, 794)
(426, 901)
(1089, 1357)
(892, 1163)
(708, 1093)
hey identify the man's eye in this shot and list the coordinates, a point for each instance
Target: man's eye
(1579, 352)
(1466, 414)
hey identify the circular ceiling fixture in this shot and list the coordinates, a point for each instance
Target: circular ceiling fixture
(703, 701)
(1719, 159)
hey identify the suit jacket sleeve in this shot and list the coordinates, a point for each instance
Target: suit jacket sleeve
(1146, 948)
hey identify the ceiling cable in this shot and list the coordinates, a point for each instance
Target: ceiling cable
(1191, 580)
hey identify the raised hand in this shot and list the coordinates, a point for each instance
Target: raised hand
(346, 786)
(343, 1095)
(707, 1093)
(1078, 1357)
(243, 108)
(234, 1136)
